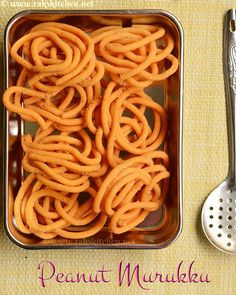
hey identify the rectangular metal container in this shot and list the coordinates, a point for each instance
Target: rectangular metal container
(162, 227)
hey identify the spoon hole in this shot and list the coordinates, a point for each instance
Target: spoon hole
(220, 208)
(219, 235)
(210, 225)
(220, 217)
(211, 208)
(229, 217)
(229, 226)
(220, 226)
(232, 25)
(229, 200)
(229, 236)
(229, 209)
(220, 200)
(211, 216)
(228, 244)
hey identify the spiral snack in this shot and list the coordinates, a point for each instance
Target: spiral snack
(34, 213)
(134, 55)
(56, 49)
(131, 134)
(57, 59)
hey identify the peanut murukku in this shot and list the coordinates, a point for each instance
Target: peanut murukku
(96, 158)
(135, 55)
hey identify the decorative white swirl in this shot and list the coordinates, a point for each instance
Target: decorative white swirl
(232, 66)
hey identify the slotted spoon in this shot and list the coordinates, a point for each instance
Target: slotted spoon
(219, 210)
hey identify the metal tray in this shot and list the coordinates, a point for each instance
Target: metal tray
(162, 227)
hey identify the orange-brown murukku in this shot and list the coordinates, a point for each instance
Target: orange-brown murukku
(95, 159)
(135, 55)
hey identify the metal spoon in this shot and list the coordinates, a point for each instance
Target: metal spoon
(219, 210)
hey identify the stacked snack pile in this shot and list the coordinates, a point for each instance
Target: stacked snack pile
(94, 159)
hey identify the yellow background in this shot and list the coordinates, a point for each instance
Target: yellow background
(205, 165)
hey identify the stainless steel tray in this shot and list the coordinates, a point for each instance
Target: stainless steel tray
(162, 227)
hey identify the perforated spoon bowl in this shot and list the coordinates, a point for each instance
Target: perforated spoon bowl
(219, 210)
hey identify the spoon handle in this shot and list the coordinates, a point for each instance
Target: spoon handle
(229, 61)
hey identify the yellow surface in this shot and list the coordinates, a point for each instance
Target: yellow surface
(205, 165)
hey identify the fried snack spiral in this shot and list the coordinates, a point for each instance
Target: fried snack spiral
(59, 64)
(58, 50)
(95, 159)
(135, 55)
(33, 209)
